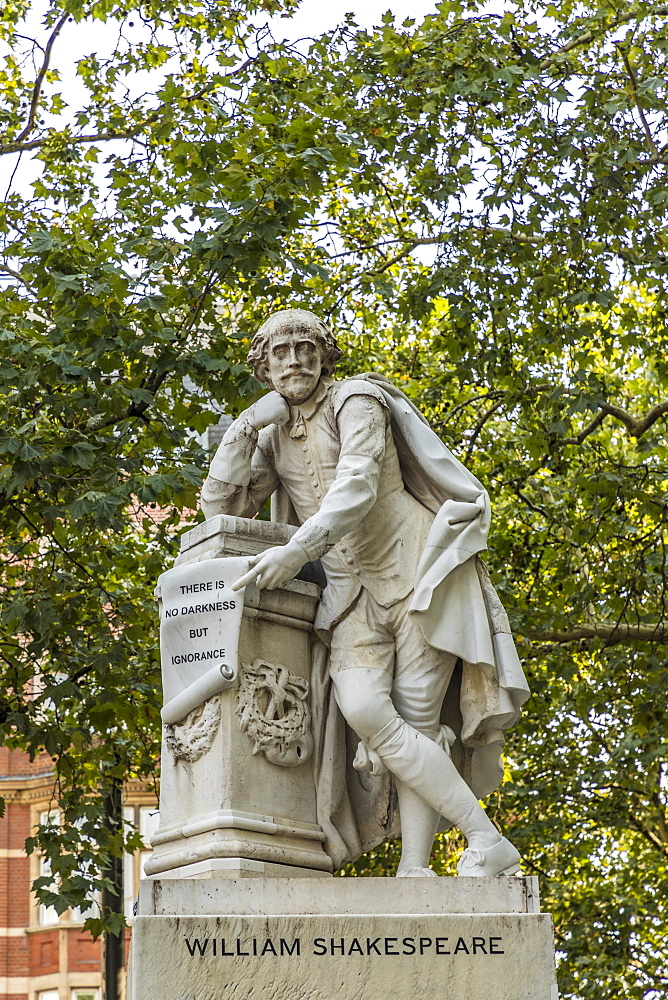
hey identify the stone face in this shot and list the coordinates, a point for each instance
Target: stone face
(325, 939)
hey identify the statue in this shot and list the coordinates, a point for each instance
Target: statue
(414, 650)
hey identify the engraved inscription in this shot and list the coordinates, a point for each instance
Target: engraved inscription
(342, 946)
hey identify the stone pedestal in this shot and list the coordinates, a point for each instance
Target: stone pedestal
(236, 800)
(342, 939)
(227, 910)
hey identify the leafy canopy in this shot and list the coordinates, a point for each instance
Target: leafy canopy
(477, 204)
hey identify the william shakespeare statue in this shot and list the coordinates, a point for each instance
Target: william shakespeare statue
(415, 674)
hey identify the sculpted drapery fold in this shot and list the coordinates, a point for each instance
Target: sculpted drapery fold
(354, 446)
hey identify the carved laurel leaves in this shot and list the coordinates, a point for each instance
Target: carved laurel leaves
(273, 711)
(191, 739)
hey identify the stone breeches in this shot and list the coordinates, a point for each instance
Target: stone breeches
(388, 639)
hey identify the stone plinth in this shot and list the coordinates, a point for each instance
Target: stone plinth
(343, 939)
(245, 806)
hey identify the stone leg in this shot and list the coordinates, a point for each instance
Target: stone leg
(419, 823)
(418, 690)
(363, 695)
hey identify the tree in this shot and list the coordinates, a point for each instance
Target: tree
(477, 204)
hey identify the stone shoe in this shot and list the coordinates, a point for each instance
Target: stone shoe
(500, 859)
(408, 872)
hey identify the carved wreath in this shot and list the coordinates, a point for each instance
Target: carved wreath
(273, 711)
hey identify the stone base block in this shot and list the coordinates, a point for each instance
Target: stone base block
(234, 868)
(342, 939)
(233, 785)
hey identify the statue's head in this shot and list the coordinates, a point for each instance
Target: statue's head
(291, 351)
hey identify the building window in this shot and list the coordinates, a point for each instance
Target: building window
(49, 995)
(78, 914)
(90, 993)
(146, 820)
(48, 914)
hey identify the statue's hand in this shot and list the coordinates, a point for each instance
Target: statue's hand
(274, 567)
(271, 409)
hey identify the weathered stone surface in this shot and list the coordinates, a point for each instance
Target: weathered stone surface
(336, 939)
(169, 897)
(213, 870)
(352, 957)
(229, 805)
(397, 524)
(200, 619)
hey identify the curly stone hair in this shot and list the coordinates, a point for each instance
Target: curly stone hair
(298, 320)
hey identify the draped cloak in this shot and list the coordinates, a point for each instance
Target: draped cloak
(458, 610)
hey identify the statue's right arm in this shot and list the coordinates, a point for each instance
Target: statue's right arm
(241, 476)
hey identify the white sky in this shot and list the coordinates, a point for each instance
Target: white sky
(316, 16)
(77, 40)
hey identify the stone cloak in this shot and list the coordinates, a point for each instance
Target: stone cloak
(458, 610)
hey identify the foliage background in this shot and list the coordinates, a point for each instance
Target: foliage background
(477, 205)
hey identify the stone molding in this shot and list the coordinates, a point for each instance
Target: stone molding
(234, 819)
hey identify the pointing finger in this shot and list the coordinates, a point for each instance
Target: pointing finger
(247, 578)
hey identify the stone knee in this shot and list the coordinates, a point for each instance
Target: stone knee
(418, 697)
(363, 697)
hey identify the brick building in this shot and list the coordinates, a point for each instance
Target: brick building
(44, 956)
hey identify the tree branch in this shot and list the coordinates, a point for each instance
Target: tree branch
(66, 552)
(75, 140)
(636, 97)
(536, 508)
(480, 424)
(5, 269)
(410, 246)
(660, 817)
(649, 835)
(493, 394)
(100, 422)
(611, 633)
(537, 239)
(16, 146)
(586, 431)
(636, 426)
(37, 88)
(591, 35)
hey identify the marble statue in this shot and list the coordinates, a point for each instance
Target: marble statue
(413, 647)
